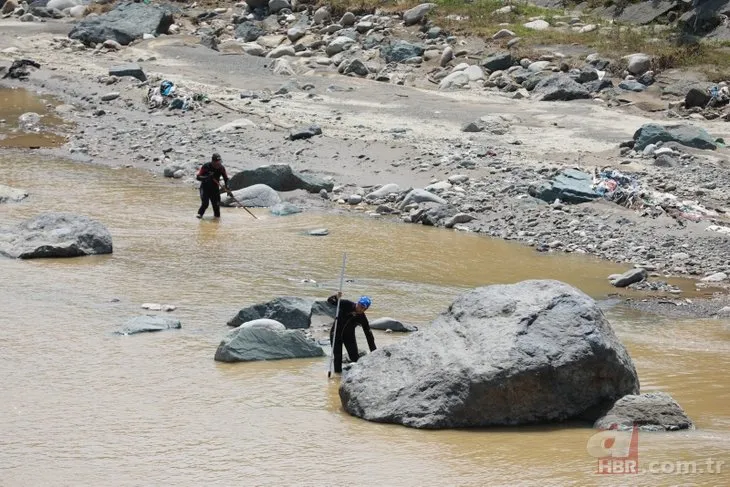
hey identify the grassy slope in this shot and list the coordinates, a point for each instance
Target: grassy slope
(611, 40)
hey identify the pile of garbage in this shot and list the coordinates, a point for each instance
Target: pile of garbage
(627, 190)
(167, 95)
(620, 188)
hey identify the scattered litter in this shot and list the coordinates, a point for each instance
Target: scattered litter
(620, 188)
(168, 95)
(718, 96)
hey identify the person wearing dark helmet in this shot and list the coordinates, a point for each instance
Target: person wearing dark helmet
(209, 176)
(351, 315)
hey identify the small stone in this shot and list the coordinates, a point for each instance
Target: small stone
(110, 96)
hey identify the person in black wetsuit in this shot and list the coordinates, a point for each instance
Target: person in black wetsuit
(209, 176)
(351, 315)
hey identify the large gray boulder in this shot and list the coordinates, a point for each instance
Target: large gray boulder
(399, 51)
(148, 324)
(569, 186)
(655, 411)
(11, 195)
(293, 312)
(285, 209)
(55, 235)
(279, 177)
(652, 133)
(249, 343)
(126, 23)
(418, 196)
(322, 307)
(560, 87)
(646, 12)
(531, 352)
(256, 196)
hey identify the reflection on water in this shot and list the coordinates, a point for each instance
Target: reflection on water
(81, 406)
(16, 102)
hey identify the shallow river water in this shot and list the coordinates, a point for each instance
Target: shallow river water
(82, 406)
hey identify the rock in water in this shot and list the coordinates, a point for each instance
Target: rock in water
(124, 24)
(529, 352)
(248, 343)
(149, 323)
(285, 209)
(293, 312)
(630, 277)
(656, 411)
(55, 235)
(256, 196)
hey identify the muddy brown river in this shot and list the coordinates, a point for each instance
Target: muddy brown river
(80, 406)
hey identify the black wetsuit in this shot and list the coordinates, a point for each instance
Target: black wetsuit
(346, 324)
(209, 175)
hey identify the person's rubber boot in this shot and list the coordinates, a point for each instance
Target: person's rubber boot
(198, 216)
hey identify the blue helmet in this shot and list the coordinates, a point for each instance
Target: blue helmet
(365, 302)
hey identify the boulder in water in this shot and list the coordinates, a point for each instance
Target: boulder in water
(256, 196)
(285, 209)
(292, 311)
(55, 235)
(265, 342)
(655, 411)
(531, 352)
(149, 323)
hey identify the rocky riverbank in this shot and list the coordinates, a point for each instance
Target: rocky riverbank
(402, 120)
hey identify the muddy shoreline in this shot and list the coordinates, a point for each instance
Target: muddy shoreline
(376, 134)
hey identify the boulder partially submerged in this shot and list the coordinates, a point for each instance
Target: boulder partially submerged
(256, 196)
(149, 323)
(265, 340)
(530, 352)
(55, 235)
(655, 411)
(292, 312)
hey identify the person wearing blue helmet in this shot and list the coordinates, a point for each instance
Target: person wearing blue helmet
(351, 315)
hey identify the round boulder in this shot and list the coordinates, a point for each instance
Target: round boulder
(531, 352)
(266, 342)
